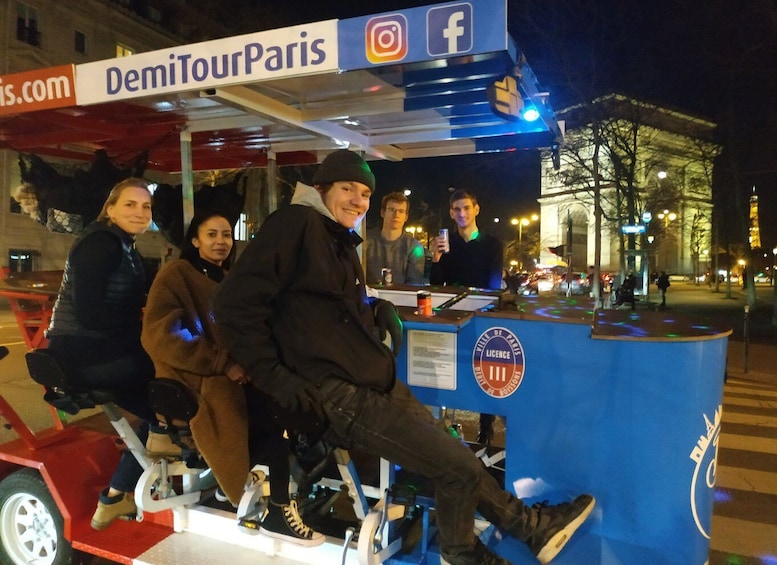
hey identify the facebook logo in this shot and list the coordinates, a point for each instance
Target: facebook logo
(449, 29)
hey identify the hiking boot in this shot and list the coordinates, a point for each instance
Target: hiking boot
(556, 524)
(478, 554)
(109, 508)
(283, 522)
(160, 444)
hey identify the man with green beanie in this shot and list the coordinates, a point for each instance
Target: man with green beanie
(294, 313)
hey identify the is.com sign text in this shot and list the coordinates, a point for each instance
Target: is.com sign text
(41, 89)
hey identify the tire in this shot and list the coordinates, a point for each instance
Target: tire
(31, 526)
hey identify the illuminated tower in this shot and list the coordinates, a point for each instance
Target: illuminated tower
(755, 231)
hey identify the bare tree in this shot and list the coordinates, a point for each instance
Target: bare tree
(583, 45)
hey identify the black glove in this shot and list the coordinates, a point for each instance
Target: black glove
(291, 391)
(387, 320)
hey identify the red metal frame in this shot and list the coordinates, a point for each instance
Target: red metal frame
(76, 464)
(33, 314)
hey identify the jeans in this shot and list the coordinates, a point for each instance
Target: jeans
(266, 443)
(397, 427)
(127, 377)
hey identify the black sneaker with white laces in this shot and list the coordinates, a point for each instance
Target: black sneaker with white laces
(283, 522)
(478, 554)
(556, 524)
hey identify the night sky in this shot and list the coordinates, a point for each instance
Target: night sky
(714, 59)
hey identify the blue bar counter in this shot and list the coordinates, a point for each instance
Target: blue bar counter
(625, 405)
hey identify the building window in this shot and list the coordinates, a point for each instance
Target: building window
(241, 229)
(22, 260)
(79, 42)
(152, 186)
(123, 50)
(27, 24)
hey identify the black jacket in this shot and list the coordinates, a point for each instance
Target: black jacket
(103, 287)
(97, 316)
(475, 263)
(296, 297)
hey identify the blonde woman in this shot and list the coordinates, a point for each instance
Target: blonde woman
(95, 326)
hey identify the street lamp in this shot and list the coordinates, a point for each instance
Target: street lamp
(667, 217)
(520, 222)
(415, 231)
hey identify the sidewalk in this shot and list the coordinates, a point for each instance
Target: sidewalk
(760, 364)
(752, 359)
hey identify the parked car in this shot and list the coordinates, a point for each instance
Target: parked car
(577, 286)
(545, 283)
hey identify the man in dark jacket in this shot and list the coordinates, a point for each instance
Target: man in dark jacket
(662, 282)
(294, 313)
(474, 259)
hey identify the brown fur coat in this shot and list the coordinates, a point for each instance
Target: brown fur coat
(181, 336)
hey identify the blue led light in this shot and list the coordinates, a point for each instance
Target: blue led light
(531, 115)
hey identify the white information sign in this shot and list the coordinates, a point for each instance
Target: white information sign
(265, 55)
(431, 359)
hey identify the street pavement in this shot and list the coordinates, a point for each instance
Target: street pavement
(752, 346)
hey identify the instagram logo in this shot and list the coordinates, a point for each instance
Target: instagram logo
(386, 38)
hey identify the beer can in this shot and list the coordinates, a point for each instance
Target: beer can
(444, 234)
(388, 278)
(424, 303)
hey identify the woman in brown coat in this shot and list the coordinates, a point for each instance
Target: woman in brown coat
(181, 337)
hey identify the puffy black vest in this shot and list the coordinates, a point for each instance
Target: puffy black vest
(125, 286)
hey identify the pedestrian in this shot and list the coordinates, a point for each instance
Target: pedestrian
(389, 247)
(625, 293)
(294, 313)
(662, 282)
(475, 259)
(181, 336)
(96, 324)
